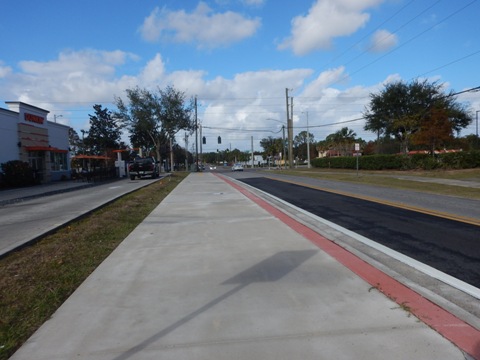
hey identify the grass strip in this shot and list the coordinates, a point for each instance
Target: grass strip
(400, 180)
(36, 280)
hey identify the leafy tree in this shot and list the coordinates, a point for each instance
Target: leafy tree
(76, 144)
(300, 143)
(211, 157)
(400, 110)
(104, 133)
(180, 155)
(434, 130)
(342, 141)
(470, 142)
(272, 146)
(153, 118)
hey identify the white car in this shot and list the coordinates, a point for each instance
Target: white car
(237, 167)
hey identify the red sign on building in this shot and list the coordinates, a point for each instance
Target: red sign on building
(34, 118)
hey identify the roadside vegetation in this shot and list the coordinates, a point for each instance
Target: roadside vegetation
(37, 279)
(406, 180)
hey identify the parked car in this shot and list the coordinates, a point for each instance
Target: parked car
(141, 167)
(237, 167)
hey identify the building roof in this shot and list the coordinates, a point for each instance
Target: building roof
(25, 104)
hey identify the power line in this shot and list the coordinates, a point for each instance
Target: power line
(239, 129)
(406, 42)
(450, 63)
(415, 37)
(394, 32)
(337, 123)
(370, 33)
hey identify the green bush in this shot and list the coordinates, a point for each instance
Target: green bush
(17, 173)
(459, 160)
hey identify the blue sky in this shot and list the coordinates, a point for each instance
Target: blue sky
(237, 57)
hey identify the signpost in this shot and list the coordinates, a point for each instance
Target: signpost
(357, 153)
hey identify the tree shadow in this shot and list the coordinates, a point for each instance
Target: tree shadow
(269, 270)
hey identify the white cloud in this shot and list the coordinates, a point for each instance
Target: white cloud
(154, 70)
(242, 103)
(325, 79)
(326, 20)
(202, 26)
(382, 41)
(78, 62)
(4, 70)
(74, 77)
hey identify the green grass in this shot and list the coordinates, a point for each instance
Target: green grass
(36, 280)
(391, 179)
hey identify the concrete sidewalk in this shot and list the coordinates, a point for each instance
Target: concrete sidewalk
(210, 274)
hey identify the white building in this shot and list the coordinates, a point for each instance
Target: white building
(257, 161)
(27, 135)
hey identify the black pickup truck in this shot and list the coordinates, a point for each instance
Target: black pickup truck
(141, 167)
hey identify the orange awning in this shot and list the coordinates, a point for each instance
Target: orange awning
(45, 148)
(93, 157)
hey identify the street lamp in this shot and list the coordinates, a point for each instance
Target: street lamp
(283, 140)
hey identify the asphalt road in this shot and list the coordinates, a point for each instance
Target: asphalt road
(25, 221)
(447, 245)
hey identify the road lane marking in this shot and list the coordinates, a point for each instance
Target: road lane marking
(462, 334)
(464, 219)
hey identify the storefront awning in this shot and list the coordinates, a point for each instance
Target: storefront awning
(45, 148)
(95, 157)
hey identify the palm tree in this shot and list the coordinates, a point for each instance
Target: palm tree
(342, 140)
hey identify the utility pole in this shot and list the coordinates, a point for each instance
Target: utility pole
(171, 155)
(201, 145)
(251, 138)
(289, 130)
(186, 152)
(308, 144)
(196, 136)
(283, 143)
(290, 135)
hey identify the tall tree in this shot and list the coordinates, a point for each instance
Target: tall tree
(342, 141)
(300, 143)
(153, 118)
(272, 146)
(435, 130)
(74, 141)
(400, 110)
(104, 133)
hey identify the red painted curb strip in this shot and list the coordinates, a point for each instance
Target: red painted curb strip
(463, 335)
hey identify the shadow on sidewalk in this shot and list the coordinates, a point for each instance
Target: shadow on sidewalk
(269, 270)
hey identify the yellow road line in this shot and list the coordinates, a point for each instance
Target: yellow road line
(441, 214)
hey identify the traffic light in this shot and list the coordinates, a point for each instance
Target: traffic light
(219, 140)
(204, 140)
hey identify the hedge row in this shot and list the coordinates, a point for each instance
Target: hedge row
(16, 173)
(459, 160)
